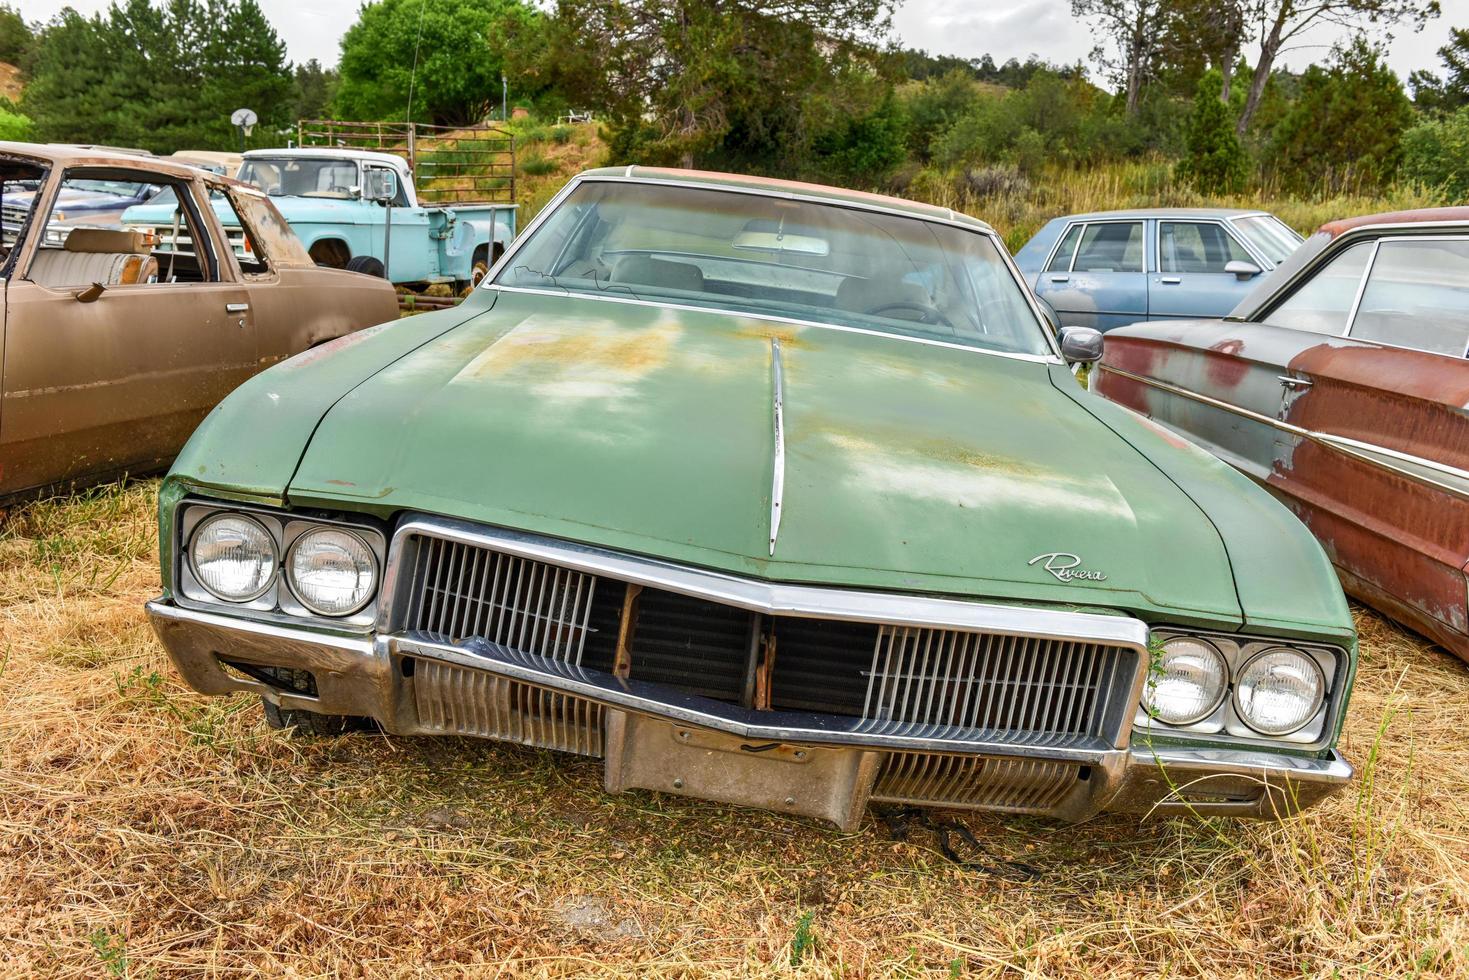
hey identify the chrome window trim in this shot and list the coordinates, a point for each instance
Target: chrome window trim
(771, 598)
(1225, 224)
(1367, 281)
(1339, 244)
(1087, 223)
(1366, 451)
(1361, 287)
(973, 226)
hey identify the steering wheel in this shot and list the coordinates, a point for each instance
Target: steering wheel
(926, 314)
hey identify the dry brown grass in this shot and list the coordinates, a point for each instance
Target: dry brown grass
(148, 831)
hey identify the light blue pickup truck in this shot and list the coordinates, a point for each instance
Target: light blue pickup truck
(363, 210)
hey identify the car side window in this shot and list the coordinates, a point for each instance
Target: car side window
(1189, 246)
(89, 237)
(1417, 296)
(1061, 261)
(1323, 303)
(244, 242)
(1111, 246)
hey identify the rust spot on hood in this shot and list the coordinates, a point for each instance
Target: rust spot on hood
(791, 338)
(584, 345)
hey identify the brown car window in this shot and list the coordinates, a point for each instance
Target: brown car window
(271, 238)
(1111, 246)
(1323, 303)
(84, 239)
(1197, 247)
(1417, 296)
(244, 241)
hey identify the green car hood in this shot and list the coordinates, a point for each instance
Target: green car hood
(650, 430)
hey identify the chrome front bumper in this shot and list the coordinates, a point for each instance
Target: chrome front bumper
(818, 765)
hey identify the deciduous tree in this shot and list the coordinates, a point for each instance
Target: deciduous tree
(1277, 24)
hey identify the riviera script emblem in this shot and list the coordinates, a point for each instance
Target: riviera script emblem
(1067, 567)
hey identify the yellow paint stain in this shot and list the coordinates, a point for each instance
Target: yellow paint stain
(544, 349)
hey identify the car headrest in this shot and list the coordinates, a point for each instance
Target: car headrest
(127, 241)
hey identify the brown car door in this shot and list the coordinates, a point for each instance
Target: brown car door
(98, 384)
(1378, 470)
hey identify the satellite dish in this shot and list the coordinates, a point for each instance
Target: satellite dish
(245, 119)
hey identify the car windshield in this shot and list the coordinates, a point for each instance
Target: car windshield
(775, 256)
(1273, 237)
(300, 176)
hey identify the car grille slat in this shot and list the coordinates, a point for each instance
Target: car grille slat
(976, 685)
(1017, 785)
(455, 700)
(462, 591)
(957, 684)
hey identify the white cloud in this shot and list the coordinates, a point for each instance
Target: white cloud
(313, 28)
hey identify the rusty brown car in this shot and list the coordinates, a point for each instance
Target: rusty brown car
(116, 343)
(1341, 384)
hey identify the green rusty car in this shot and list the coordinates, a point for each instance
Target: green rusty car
(764, 493)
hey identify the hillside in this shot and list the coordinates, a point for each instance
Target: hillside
(10, 84)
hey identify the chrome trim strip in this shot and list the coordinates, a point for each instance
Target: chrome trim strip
(778, 465)
(1361, 288)
(771, 318)
(771, 598)
(1365, 451)
(657, 701)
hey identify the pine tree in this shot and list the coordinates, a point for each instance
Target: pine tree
(1216, 163)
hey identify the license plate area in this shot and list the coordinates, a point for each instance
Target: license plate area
(810, 781)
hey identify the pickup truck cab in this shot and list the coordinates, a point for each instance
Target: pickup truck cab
(320, 192)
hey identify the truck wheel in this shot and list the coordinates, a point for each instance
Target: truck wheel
(367, 265)
(308, 722)
(477, 273)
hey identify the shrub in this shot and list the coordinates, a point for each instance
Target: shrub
(536, 165)
(1345, 130)
(14, 126)
(1216, 162)
(1436, 155)
(562, 134)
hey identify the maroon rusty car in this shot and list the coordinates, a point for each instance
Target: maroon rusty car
(1341, 384)
(115, 343)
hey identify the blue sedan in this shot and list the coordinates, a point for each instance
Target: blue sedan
(1112, 268)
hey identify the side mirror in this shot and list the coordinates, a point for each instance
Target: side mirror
(1081, 345)
(91, 294)
(380, 185)
(1242, 270)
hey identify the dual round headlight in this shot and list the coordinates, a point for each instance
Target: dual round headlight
(233, 557)
(331, 571)
(1276, 692)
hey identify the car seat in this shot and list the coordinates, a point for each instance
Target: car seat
(112, 257)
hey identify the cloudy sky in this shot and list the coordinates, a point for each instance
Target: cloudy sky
(312, 28)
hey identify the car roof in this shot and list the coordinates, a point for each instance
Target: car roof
(1416, 216)
(746, 182)
(1164, 213)
(329, 152)
(79, 156)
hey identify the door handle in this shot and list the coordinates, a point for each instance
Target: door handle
(1294, 384)
(1170, 280)
(236, 307)
(1060, 279)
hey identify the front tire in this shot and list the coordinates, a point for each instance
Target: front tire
(308, 722)
(367, 265)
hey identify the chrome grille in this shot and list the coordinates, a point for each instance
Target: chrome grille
(457, 701)
(988, 686)
(954, 684)
(1022, 785)
(463, 591)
